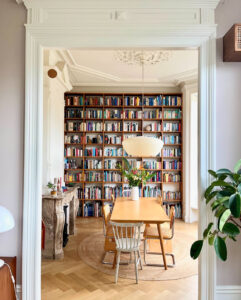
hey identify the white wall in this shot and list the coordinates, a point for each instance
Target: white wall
(12, 19)
(228, 125)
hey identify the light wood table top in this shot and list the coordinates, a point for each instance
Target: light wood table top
(146, 209)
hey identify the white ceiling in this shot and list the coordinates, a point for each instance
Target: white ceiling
(101, 68)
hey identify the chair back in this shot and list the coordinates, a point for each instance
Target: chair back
(106, 216)
(127, 235)
(172, 216)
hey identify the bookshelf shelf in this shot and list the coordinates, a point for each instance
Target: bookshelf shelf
(85, 112)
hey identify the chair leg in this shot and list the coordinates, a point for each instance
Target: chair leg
(117, 266)
(145, 242)
(136, 266)
(140, 259)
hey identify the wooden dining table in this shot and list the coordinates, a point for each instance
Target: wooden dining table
(147, 210)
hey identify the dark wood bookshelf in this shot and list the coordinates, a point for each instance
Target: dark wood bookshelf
(142, 122)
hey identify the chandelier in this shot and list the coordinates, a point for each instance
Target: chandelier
(132, 57)
(142, 146)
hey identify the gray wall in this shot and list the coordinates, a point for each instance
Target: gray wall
(228, 124)
(12, 19)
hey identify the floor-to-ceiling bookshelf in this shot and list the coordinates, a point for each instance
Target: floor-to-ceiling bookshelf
(95, 126)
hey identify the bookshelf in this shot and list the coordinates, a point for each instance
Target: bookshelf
(95, 126)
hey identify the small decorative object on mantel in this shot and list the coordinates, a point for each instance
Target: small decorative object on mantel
(52, 186)
(148, 127)
(232, 44)
(135, 177)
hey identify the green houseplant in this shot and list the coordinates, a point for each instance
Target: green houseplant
(223, 196)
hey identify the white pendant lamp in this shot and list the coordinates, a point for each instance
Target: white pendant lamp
(143, 146)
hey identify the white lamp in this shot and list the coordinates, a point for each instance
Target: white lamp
(142, 146)
(6, 223)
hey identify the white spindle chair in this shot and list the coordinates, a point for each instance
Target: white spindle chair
(128, 240)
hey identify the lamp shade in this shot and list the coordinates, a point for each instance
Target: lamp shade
(6, 220)
(142, 146)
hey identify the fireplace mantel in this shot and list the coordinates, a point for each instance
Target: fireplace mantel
(54, 218)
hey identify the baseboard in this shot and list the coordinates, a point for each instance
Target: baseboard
(228, 292)
(19, 291)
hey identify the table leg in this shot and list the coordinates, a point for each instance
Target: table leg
(162, 246)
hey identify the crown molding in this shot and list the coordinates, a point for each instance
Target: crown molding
(121, 4)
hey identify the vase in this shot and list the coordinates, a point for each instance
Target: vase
(135, 193)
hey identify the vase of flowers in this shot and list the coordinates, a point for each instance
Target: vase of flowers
(135, 177)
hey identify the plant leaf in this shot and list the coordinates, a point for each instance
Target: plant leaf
(223, 218)
(126, 163)
(239, 188)
(211, 196)
(196, 249)
(213, 173)
(219, 211)
(231, 229)
(220, 248)
(207, 230)
(234, 205)
(211, 239)
(237, 166)
(223, 171)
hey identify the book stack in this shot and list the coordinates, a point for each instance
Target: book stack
(73, 151)
(92, 192)
(94, 126)
(113, 139)
(131, 126)
(153, 100)
(150, 191)
(171, 152)
(74, 100)
(132, 101)
(70, 177)
(169, 177)
(178, 209)
(74, 113)
(168, 195)
(172, 114)
(113, 126)
(171, 139)
(152, 165)
(172, 165)
(93, 152)
(113, 100)
(93, 100)
(110, 164)
(112, 176)
(169, 126)
(93, 176)
(156, 178)
(93, 164)
(113, 114)
(132, 114)
(90, 114)
(152, 114)
(110, 190)
(171, 101)
(113, 152)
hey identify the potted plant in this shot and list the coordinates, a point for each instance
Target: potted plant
(52, 187)
(223, 196)
(135, 177)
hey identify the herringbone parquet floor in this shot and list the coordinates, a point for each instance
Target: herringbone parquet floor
(72, 279)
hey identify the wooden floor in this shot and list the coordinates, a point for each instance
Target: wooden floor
(72, 279)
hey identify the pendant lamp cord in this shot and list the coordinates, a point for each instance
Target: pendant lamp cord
(142, 91)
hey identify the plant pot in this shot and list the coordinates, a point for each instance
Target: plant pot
(135, 193)
(53, 193)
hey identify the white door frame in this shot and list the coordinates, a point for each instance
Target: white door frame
(111, 24)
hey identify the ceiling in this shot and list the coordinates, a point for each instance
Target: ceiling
(102, 68)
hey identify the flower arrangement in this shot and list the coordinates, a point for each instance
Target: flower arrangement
(135, 176)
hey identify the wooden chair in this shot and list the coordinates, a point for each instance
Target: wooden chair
(109, 246)
(128, 240)
(151, 233)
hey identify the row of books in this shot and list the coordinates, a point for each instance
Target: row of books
(110, 164)
(92, 176)
(131, 126)
(93, 113)
(156, 178)
(168, 195)
(116, 191)
(74, 100)
(171, 101)
(170, 126)
(171, 177)
(152, 165)
(92, 209)
(171, 152)
(128, 100)
(171, 139)
(73, 151)
(134, 163)
(178, 209)
(75, 139)
(91, 192)
(154, 126)
(113, 152)
(113, 113)
(74, 113)
(112, 176)
(70, 177)
(72, 164)
(172, 114)
(93, 152)
(113, 139)
(113, 126)
(152, 114)
(172, 164)
(93, 164)
(149, 191)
